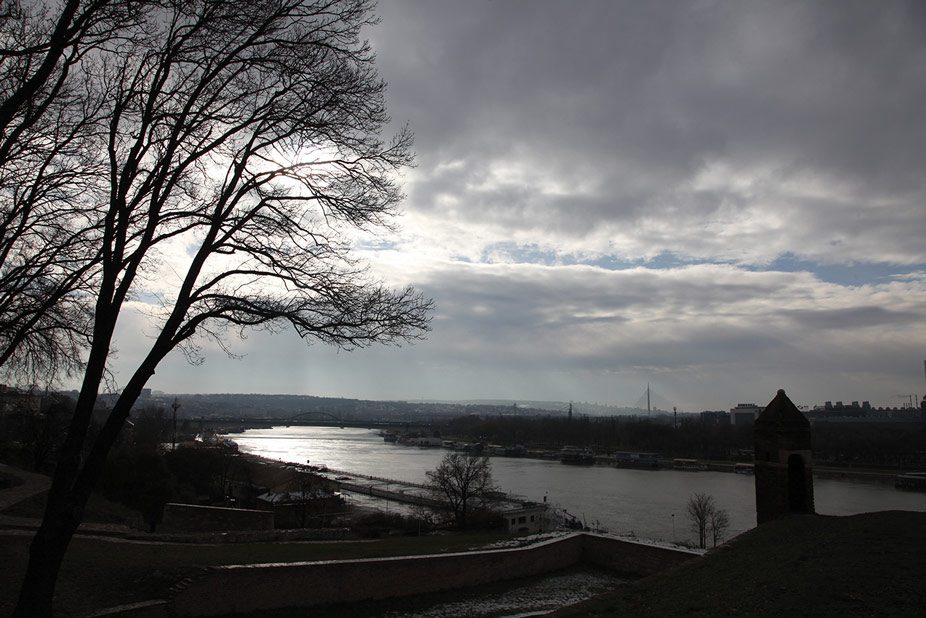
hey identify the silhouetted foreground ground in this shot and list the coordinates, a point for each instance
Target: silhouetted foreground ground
(839, 567)
(825, 567)
(872, 564)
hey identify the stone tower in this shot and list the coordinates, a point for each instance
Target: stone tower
(783, 463)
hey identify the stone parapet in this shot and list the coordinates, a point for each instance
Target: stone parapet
(254, 588)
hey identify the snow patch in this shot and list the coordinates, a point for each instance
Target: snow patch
(542, 596)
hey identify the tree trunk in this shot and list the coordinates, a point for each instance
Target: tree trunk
(45, 557)
(75, 478)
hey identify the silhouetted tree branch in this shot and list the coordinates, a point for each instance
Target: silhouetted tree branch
(49, 119)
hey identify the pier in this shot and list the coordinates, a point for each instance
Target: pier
(520, 514)
(379, 487)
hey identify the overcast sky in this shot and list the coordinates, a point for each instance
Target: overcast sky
(720, 199)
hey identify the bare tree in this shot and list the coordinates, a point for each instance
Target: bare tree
(464, 483)
(719, 523)
(242, 146)
(707, 518)
(699, 509)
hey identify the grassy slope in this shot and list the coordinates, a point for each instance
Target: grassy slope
(99, 510)
(839, 567)
(9, 480)
(101, 573)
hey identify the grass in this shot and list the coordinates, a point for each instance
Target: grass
(142, 571)
(826, 567)
(99, 510)
(9, 480)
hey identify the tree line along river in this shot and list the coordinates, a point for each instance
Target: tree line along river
(646, 503)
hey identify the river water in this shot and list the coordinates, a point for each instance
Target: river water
(646, 503)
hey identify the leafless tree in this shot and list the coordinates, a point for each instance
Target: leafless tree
(241, 151)
(464, 483)
(707, 518)
(719, 523)
(699, 510)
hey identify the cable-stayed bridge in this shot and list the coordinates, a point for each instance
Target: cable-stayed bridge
(652, 401)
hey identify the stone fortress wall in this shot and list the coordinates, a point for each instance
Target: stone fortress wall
(253, 588)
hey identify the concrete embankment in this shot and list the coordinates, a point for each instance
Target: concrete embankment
(398, 496)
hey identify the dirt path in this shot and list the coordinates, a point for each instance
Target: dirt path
(32, 484)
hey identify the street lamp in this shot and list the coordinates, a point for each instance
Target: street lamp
(175, 405)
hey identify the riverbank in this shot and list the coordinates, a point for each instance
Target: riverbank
(648, 461)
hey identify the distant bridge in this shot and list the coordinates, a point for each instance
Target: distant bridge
(316, 413)
(651, 401)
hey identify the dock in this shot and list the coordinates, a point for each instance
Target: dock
(380, 487)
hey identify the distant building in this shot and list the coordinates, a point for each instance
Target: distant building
(744, 414)
(864, 412)
(528, 518)
(295, 509)
(840, 409)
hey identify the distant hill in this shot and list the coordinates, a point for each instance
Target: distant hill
(260, 405)
(578, 407)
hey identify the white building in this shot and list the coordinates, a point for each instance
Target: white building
(744, 414)
(528, 518)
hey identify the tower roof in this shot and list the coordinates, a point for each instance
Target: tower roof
(781, 412)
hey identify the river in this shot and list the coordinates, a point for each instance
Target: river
(645, 503)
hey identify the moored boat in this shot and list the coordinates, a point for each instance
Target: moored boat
(911, 481)
(577, 455)
(690, 465)
(637, 460)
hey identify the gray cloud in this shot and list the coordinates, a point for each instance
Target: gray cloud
(691, 148)
(704, 336)
(624, 104)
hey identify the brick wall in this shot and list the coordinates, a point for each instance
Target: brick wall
(222, 590)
